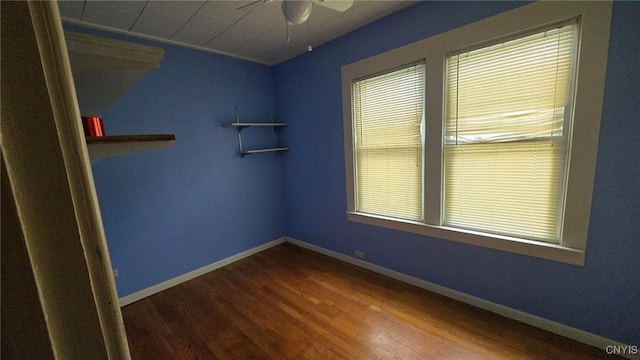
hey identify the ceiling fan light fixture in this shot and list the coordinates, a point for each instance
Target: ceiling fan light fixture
(296, 12)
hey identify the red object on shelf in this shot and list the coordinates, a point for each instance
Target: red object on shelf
(92, 126)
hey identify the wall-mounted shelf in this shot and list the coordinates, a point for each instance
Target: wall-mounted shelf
(243, 125)
(105, 146)
(257, 151)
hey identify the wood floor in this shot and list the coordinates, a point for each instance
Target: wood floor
(291, 303)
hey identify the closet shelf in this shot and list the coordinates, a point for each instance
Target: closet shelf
(104, 69)
(105, 146)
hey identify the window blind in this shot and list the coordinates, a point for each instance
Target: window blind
(504, 135)
(388, 116)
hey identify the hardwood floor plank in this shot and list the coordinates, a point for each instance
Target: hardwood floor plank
(298, 308)
(315, 303)
(291, 303)
(377, 314)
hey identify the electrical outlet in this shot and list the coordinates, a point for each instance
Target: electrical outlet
(115, 272)
(359, 254)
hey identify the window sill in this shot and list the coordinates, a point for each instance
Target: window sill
(542, 250)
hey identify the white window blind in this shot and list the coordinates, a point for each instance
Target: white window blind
(507, 106)
(388, 116)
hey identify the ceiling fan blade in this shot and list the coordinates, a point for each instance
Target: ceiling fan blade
(252, 4)
(338, 5)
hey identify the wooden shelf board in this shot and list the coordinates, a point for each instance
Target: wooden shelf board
(105, 146)
(119, 139)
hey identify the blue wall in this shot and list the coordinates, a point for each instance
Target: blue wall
(170, 211)
(602, 297)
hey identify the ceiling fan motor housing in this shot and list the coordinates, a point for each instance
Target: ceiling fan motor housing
(296, 12)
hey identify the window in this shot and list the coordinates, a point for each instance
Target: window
(387, 114)
(488, 136)
(504, 146)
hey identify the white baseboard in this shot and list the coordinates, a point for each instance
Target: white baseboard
(551, 326)
(139, 295)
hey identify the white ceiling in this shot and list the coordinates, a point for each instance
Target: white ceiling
(257, 33)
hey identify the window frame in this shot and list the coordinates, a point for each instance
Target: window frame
(595, 19)
(564, 138)
(354, 136)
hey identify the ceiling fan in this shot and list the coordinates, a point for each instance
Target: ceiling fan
(298, 11)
